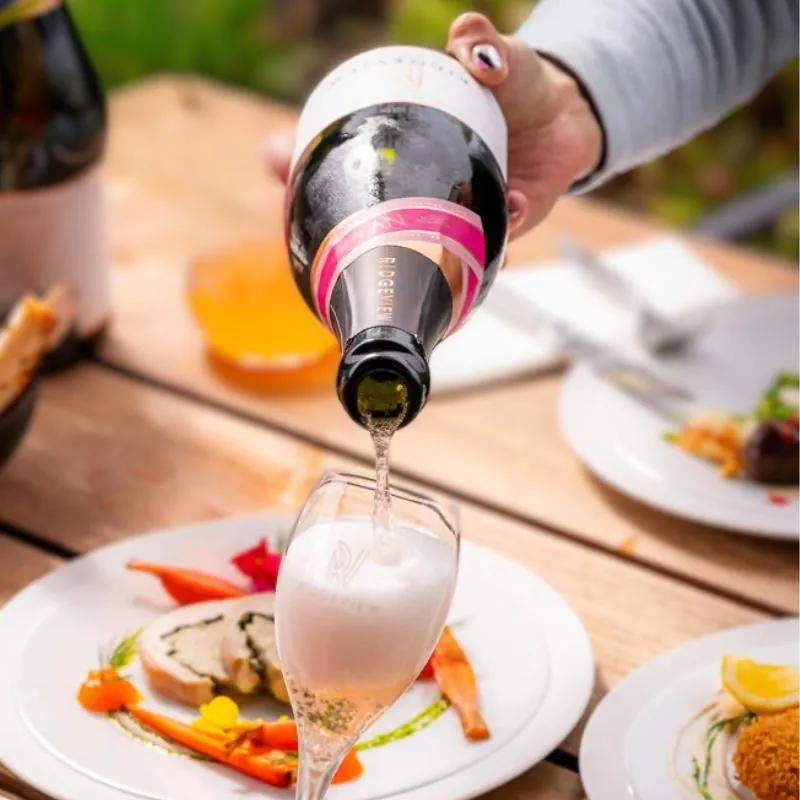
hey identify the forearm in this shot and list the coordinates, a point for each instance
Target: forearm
(660, 71)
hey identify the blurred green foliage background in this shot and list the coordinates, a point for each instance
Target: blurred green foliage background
(280, 48)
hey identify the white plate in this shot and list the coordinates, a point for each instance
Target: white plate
(530, 652)
(729, 367)
(627, 745)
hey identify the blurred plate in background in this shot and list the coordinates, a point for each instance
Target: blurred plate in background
(728, 367)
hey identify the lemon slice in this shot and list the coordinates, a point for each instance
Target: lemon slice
(760, 687)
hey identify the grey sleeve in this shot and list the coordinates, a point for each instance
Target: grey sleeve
(661, 71)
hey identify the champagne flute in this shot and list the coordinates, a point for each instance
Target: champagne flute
(358, 614)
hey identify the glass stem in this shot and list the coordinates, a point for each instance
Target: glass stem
(314, 780)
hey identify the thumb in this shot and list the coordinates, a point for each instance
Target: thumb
(278, 154)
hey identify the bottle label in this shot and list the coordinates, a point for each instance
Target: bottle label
(404, 75)
(448, 234)
(54, 235)
(12, 11)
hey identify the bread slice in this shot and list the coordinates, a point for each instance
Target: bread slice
(23, 342)
(249, 648)
(181, 653)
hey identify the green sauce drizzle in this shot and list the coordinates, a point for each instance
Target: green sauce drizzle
(415, 725)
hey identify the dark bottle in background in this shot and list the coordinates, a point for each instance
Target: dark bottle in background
(397, 217)
(52, 141)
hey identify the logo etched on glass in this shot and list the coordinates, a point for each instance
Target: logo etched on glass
(344, 564)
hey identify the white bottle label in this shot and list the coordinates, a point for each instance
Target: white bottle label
(404, 75)
(53, 235)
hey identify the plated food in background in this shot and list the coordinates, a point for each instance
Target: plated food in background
(93, 615)
(714, 719)
(27, 333)
(217, 649)
(744, 737)
(761, 446)
(744, 361)
(23, 342)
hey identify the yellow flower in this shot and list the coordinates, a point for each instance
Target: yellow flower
(218, 716)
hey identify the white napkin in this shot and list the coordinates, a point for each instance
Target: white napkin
(665, 271)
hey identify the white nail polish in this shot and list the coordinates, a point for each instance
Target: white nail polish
(487, 56)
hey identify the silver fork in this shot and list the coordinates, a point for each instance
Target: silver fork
(654, 331)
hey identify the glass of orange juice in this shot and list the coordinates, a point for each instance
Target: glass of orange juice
(253, 318)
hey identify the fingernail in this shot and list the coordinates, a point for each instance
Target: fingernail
(487, 56)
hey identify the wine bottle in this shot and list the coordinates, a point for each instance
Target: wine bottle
(396, 217)
(52, 140)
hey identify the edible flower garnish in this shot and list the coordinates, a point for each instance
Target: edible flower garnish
(217, 717)
(260, 565)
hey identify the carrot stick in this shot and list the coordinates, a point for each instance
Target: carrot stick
(187, 586)
(350, 768)
(455, 677)
(272, 771)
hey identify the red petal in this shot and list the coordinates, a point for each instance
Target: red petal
(250, 561)
(262, 583)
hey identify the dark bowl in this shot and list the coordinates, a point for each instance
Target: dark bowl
(15, 420)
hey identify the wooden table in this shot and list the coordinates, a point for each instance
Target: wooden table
(148, 437)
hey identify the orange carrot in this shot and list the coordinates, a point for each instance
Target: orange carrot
(187, 586)
(270, 736)
(105, 691)
(276, 771)
(350, 768)
(455, 677)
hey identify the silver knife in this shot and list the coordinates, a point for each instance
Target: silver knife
(667, 399)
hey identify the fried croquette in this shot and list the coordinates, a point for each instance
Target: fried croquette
(766, 757)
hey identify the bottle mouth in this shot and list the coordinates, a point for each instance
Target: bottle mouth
(383, 376)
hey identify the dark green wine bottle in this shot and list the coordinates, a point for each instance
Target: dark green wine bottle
(52, 141)
(397, 217)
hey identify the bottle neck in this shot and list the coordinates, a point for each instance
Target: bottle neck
(389, 308)
(392, 286)
(383, 375)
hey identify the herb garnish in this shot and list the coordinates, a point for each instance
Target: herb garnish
(123, 654)
(700, 774)
(770, 407)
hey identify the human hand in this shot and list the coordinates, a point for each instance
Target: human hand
(553, 135)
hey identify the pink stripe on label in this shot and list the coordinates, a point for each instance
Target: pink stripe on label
(455, 228)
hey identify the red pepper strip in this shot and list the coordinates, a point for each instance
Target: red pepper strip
(271, 736)
(427, 671)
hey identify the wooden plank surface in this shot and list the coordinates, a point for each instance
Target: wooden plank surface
(543, 782)
(13, 788)
(109, 457)
(184, 175)
(21, 564)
